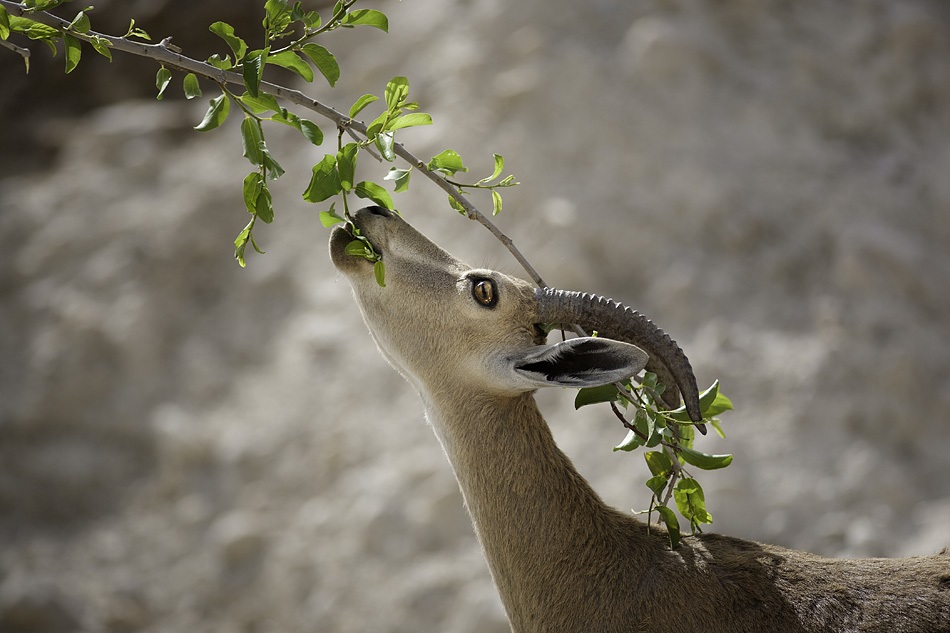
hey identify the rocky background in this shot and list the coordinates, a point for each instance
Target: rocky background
(189, 446)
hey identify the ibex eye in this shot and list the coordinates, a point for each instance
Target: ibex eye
(485, 293)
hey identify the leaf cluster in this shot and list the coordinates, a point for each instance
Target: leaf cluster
(450, 163)
(282, 21)
(650, 425)
(335, 174)
(288, 34)
(69, 36)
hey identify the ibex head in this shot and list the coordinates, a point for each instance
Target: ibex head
(440, 321)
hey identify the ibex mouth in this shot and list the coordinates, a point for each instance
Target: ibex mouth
(339, 238)
(342, 254)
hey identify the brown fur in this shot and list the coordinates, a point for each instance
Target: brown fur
(561, 559)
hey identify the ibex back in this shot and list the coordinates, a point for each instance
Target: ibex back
(469, 340)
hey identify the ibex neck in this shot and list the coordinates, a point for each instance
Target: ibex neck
(543, 529)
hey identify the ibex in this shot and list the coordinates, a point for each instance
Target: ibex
(469, 340)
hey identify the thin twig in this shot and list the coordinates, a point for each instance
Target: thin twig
(22, 52)
(677, 473)
(627, 424)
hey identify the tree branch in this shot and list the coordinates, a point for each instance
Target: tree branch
(168, 55)
(22, 52)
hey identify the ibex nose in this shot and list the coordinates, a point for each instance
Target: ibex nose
(380, 211)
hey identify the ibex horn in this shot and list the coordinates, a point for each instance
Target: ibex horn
(616, 321)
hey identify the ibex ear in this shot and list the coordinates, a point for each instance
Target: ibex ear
(580, 362)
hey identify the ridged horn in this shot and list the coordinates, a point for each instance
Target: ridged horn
(616, 321)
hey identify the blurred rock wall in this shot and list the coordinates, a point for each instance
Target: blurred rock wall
(186, 445)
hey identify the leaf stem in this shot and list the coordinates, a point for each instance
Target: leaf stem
(627, 424)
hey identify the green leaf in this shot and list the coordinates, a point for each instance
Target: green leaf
(277, 16)
(687, 435)
(273, 168)
(691, 502)
(448, 162)
(346, 164)
(719, 405)
(658, 462)
(366, 17)
(311, 131)
(226, 32)
(595, 395)
(646, 424)
(31, 28)
(101, 46)
(672, 525)
(311, 20)
(711, 403)
(191, 86)
(717, 427)
(216, 114)
(324, 61)
(371, 191)
(400, 177)
(657, 484)
(384, 143)
(252, 137)
(649, 380)
(361, 103)
(261, 103)
(291, 61)
(240, 244)
(253, 185)
(499, 167)
(379, 271)
(330, 218)
(495, 202)
(81, 23)
(43, 5)
(630, 443)
(74, 53)
(359, 248)
(707, 397)
(252, 69)
(325, 181)
(655, 436)
(254, 244)
(162, 78)
(265, 207)
(397, 91)
(135, 32)
(455, 204)
(378, 123)
(4, 23)
(704, 460)
(221, 63)
(409, 120)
